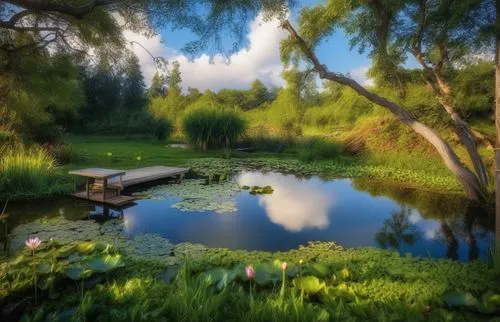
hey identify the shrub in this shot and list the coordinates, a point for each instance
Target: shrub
(213, 128)
(64, 154)
(163, 129)
(318, 149)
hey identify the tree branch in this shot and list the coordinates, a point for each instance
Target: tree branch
(60, 7)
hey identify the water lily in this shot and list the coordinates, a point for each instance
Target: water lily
(283, 268)
(33, 243)
(250, 272)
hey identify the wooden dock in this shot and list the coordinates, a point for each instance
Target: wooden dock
(110, 182)
(148, 174)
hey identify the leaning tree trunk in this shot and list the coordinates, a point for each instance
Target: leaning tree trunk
(462, 129)
(497, 123)
(442, 89)
(468, 180)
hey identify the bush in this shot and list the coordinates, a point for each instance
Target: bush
(64, 154)
(27, 172)
(318, 149)
(163, 129)
(213, 128)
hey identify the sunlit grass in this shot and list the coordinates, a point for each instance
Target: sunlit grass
(27, 171)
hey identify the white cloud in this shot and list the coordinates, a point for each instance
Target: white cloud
(359, 75)
(293, 205)
(260, 60)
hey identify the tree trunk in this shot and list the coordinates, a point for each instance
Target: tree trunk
(497, 123)
(468, 180)
(442, 89)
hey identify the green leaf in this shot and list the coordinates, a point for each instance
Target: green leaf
(43, 268)
(75, 272)
(104, 264)
(309, 284)
(457, 299)
(319, 270)
(66, 250)
(85, 247)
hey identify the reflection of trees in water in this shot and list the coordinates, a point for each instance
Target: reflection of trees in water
(398, 229)
(457, 217)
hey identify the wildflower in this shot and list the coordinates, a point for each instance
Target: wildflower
(284, 266)
(110, 154)
(250, 272)
(139, 158)
(301, 262)
(33, 243)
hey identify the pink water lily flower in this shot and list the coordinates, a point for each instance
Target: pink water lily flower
(250, 272)
(284, 265)
(33, 243)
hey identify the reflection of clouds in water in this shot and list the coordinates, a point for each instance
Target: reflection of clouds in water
(294, 205)
(430, 228)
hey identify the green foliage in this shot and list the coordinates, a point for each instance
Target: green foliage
(474, 88)
(338, 168)
(65, 154)
(315, 149)
(53, 264)
(208, 128)
(28, 172)
(164, 129)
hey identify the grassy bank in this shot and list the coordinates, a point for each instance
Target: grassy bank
(312, 157)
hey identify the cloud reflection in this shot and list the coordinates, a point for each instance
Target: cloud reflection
(294, 205)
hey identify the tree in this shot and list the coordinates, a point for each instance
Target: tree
(171, 105)
(157, 87)
(258, 94)
(133, 86)
(29, 28)
(435, 32)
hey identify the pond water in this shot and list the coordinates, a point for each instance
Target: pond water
(352, 213)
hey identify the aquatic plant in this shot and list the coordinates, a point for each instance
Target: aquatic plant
(55, 262)
(33, 244)
(284, 265)
(197, 196)
(326, 169)
(266, 190)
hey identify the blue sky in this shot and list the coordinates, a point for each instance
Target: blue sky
(258, 56)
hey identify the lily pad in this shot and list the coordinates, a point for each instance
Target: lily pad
(104, 264)
(43, 268)
(309, 284)
(456, 299)
(75, 272)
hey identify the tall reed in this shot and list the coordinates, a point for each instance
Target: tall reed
(210, 128)
(26, 171)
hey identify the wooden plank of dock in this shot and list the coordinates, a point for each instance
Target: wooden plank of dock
(147, 174)
(112, 200)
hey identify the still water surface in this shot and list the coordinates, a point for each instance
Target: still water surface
(350, 212)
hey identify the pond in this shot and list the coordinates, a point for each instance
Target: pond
(352, 213)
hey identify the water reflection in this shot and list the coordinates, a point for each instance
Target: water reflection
(293, 205)
(398, 229)
(353, 213)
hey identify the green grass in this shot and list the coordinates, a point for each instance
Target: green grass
(28, 172)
